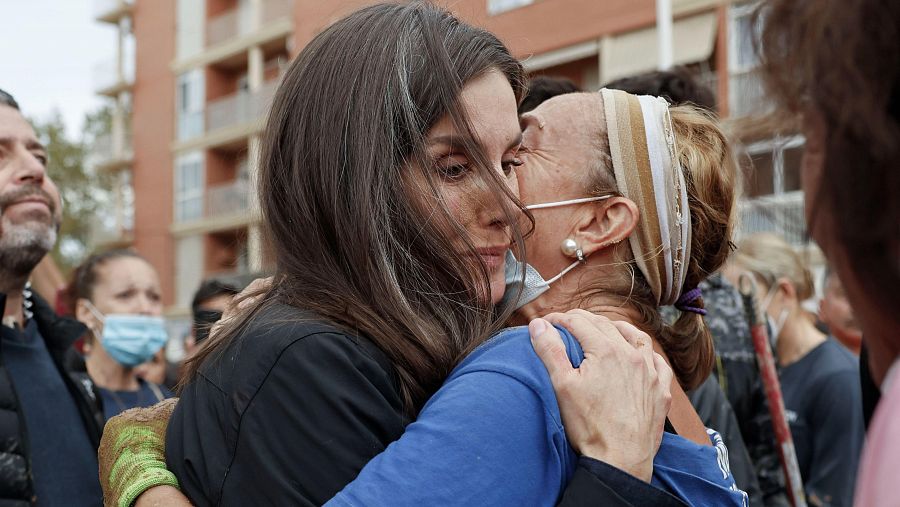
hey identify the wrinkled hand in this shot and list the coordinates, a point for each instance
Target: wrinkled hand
(614, 405)
(246, 298)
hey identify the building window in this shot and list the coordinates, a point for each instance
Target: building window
(189, 185)
(498, 6)
(747, 97)
(189, 108)
(774, 202)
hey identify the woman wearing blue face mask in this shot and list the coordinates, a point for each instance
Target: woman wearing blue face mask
(117, 295)
(819, 376)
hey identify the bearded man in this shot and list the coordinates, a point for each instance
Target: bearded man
(49, 425)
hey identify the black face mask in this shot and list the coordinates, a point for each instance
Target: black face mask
(203, 321)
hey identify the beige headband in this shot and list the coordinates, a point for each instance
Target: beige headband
(647, 171)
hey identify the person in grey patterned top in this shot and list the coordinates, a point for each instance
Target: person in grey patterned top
(737, 372)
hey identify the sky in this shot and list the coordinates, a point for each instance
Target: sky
(50, 48)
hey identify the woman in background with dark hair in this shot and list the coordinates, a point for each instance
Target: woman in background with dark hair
(116, 295)
(837, 63)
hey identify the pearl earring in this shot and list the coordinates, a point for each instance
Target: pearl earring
(569, 247)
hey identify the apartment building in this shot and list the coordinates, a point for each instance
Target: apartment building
(113, 79)
(205, 72)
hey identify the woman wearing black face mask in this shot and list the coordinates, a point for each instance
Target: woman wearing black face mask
(210, 300)
(819, 376)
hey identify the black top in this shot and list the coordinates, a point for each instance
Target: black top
(51, 417)
(822, 400)
(292, 410)
(715, 411)
(16, 473)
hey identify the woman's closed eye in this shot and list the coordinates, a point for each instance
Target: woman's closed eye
(452, 168)
(510, 165)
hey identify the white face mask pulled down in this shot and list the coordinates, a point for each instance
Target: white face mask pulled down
(775, 326)
(522, 280)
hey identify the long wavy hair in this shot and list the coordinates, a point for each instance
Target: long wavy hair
(354, 242)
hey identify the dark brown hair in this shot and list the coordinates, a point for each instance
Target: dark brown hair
(86, 276)
(678, 86)
(711, 176)
(840, 61)
(358, 238)
(544, 88)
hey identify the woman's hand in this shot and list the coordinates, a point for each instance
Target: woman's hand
(251, 294)
(614, 405)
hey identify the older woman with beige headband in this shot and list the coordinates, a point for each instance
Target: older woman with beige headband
(633, 204)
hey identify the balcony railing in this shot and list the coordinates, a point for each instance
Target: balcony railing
(107, 76)
(781, 214)
(105, 150)
(239, 108)
(239, 22)
(227, 199)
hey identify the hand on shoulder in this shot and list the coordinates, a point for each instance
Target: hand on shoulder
(614, 404)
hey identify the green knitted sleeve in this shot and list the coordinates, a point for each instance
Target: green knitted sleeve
(132, 454)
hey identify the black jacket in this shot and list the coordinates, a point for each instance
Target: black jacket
(714, 410)
(293, 408)
(15, 460)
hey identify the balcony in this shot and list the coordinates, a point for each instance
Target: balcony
(111, 11)
(225, 206)
(240, 108)
(227, 121)
(228, 36)
(110, 155)
(227, 199)
(238, 22)
(109, 80)
(781, 214)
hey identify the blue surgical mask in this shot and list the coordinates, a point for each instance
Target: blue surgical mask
(525, 281)
(130, 339)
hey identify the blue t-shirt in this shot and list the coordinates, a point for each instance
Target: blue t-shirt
(493, 435)
(63, 459)
(147, 395)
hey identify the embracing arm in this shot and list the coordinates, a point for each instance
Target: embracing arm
(488, 438)
(324, 409)
(132, 458)
(613, 407)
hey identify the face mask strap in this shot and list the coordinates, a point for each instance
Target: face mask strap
(563, 272)
(93, 309)
(567, 203)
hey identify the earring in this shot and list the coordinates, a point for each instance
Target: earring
(569, 247)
